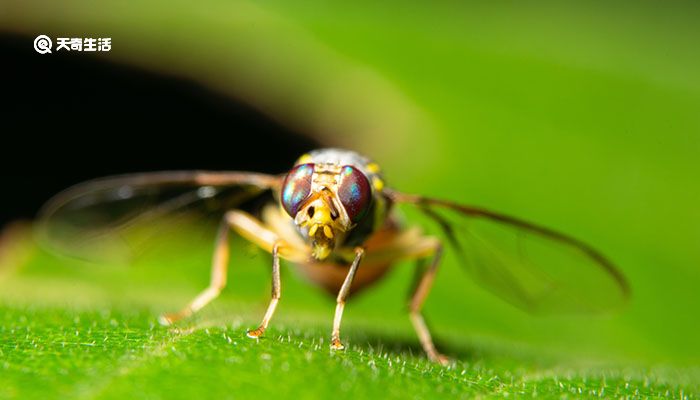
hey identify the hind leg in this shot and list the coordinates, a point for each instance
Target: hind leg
(411, 245)
(420, 293)
(219, 270)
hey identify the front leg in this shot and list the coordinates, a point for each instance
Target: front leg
(276, 293)
(336, 344)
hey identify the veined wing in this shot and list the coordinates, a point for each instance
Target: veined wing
(530, 266)
(111, 218)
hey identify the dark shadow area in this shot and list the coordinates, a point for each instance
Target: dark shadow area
(379, 341)
(68, 117)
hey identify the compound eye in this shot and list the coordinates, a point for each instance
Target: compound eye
(296, 188)
(354, 192)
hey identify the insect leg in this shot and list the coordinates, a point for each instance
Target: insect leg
(217, 283)
(276, 293)
(248, 227)
(420, 293)
(336, 344)
(412, 245)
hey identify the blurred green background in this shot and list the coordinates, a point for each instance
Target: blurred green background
(581, 116)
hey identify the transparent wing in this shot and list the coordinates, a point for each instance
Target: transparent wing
(113, 218)
(532, 267)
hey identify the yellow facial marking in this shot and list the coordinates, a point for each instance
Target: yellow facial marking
(378, 183)
(306, 158)
(322, 216)
(313, 229)
(328, 231)
(373, 168)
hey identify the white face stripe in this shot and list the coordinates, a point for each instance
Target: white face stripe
(326, 177)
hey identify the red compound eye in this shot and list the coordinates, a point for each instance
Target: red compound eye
(296, 188)
(354, 192)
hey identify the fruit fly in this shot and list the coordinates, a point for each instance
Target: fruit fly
(334, 217)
